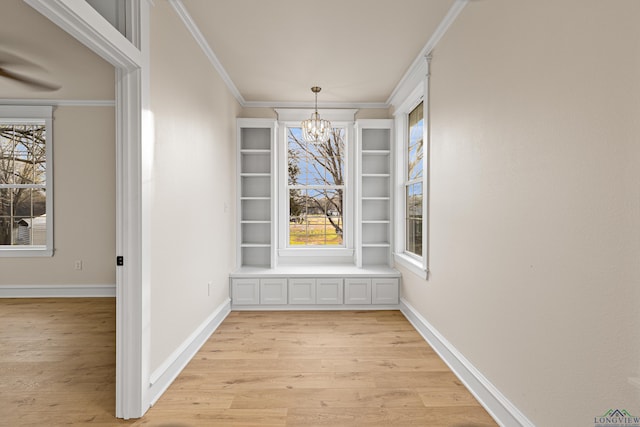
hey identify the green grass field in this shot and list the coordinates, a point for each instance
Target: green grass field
(316, 231)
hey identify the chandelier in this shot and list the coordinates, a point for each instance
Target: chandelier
(316, 130)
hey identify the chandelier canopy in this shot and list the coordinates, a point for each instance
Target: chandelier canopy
(316, 130)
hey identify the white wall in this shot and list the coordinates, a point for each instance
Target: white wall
(535, 207)
(192, 202)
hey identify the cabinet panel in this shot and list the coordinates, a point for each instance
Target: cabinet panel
(302, 291)
(329, 291)
(384, 291)
(357, 291)
(273, 291)
(245, 291)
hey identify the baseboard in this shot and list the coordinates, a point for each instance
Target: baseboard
(162, 377)
(58, 291)
(315, 307)
(500, 408)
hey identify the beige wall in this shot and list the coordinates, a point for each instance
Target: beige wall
(52, 56)
(84, 204)
(535, 207)
(83, 150)
(192, 202)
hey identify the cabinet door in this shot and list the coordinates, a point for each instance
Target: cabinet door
(384, 291)
(329, 291)
(273, 291)
(245, 291)
(302, 291)
(357, 291)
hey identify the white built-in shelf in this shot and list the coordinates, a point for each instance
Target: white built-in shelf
(254, 151)
(375, 170)
(254, 174)
(255, 190)
(376, 152)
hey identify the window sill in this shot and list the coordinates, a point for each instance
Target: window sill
(25, 252)
(413, 265)
(316, 252)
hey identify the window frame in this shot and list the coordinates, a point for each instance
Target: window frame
(30, 114)
(411, 261)
(318, 187)
(314, 254)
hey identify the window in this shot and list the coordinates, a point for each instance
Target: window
(414, 182)
(316, 190)
(26, 212)
(412, 130)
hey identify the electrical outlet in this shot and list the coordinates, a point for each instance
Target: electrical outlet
(77, 265)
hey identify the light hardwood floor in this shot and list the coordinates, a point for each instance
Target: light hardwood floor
(363, 368)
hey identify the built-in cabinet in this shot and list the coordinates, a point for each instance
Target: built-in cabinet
(310, 291)
(374, 192)
(256, 192)
(262, 281)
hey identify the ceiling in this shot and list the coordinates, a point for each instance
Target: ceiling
(358, 51)
(34, 47)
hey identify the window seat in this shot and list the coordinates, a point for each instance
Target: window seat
(315, 287)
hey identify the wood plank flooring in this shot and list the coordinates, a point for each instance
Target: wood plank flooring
(57, 364)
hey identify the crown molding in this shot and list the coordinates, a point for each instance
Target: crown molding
(321, 105)
(188, 21)
(332, 114)
(60, 102)
(418, 64)
(415, 69)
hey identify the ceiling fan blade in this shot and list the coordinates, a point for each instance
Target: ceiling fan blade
(28, 80)
(11, 58)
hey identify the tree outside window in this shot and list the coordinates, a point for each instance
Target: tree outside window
(413, 182)
(23, 184)
(316, 189)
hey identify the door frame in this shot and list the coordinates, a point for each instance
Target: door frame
(134, 141)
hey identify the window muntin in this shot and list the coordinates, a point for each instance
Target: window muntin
(26, 207)
(316, 189)
(414, 190)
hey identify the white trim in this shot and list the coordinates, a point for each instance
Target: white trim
(60, 102)
(80, 20)
(498, 406)
(86, 25)
(188, 21)
(286, 115)
(310, 104)
(315, 307)
(169, 370)
(58, 291)
(415, 71)
(413, 265)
